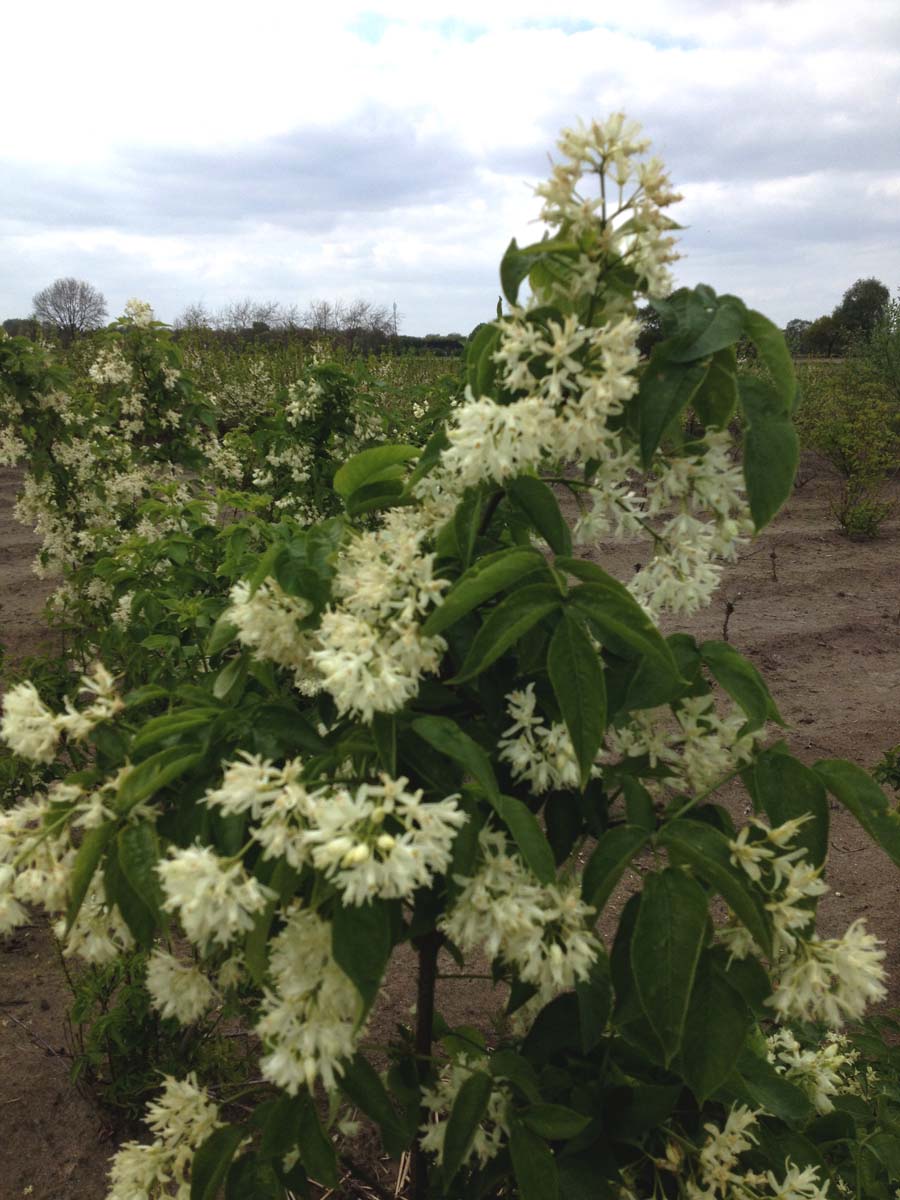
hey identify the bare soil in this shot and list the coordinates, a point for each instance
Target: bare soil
(817, 613)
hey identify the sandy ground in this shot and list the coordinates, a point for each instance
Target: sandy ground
(818, 614)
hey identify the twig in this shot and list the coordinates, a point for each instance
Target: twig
(38, 1041)
(729, 609)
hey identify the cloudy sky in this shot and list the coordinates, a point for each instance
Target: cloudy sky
(195, 151)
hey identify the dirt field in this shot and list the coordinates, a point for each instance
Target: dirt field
(818, 614)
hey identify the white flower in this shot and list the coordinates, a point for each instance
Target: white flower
(831, 980)
(723, 1147)
(816, 1071)
(139, 312)
(182, 1118)
(214, 899)
(12, 914)
(544, 930)
(541, 754)
(491, 1130)
(178, 990)
(267, 621)
(383, 840)
(309, 1021)
(28, 727)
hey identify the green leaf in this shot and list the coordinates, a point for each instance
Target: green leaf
(230, 680)
(715, 400)
(138, 851)
(772, 349)
(861, 796)
(722, 323)
(256, 944)
(316, 1150)
(622, 623)
(787, 789)
(155, 773)
(528, 836)
(384, 735)
(430, 457)
(667, 388)
(578, 684)
(771, 1091)
(707, 851)
(446, 737)
(136, 912)
(480, 365)
(466, 524)
(86, 861)
(533, 1164)
(554, 1122)
(594, 996)
(483, 579)
(715, 1031)
(251, 1178)
(361, 944)
(615, 850)
(886, 1148)
(510, 620)
(539, 504)
(507, 1064)
(171, 725)
(742, 682)
(770, 450)
(372, 466)
(468, 1109)
(212, 1160)
(362, 1085)
(222, 634)
(386, 493)
(669, 935)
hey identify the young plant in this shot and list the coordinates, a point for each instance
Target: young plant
(427, 709)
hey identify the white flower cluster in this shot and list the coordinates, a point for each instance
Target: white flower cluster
(632, 229)
(699, 748)
(377, 840)
(267, 621)
(181, 1120)
(98, 934)
(304, 398)
(830, 980)
(178, 989)
(371, 653)
(139, 312)
(817, 1071)
(12, 448)
(540, 754)
(545, 931)
(32, 730)
(382, 840)
(110, 366)
(310, 1017)
(214, 898)
(722, 1178)
(493, 1128)
(36, 856)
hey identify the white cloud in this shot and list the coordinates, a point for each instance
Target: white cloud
(207, 149)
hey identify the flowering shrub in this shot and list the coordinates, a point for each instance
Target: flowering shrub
(409, 721)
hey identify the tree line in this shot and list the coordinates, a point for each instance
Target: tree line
(69, 308)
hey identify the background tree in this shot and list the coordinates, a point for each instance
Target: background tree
(824, 336)
(651, 329)
(862, 306)
(70, 306)
(795, 335)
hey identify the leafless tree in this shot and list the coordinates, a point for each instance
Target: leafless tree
(71, 306)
